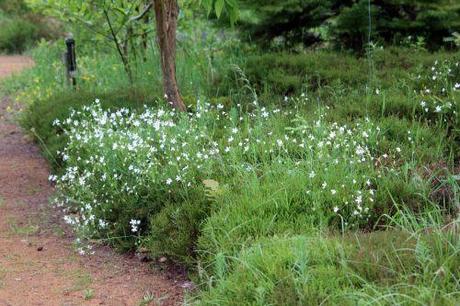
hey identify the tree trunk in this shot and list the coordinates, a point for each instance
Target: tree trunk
(166, 15)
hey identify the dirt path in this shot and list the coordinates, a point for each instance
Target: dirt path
(38, 262)
(13, 64)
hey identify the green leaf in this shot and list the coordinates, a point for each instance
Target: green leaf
(207, 4)
(219, 6)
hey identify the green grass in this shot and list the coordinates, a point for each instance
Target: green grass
(287, 74)
(88, 294)
(150, 299)
(23, 230)
(81, 280)
(393, 267)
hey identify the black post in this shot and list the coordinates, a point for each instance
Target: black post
(71, 61)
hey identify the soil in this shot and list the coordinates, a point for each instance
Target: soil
(13, 64)
(39, 264)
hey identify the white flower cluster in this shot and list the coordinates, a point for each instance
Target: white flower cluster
(442, 73)
(437, 98)
(122, 165)
(115, 158)
(437, 106)
(135, 225)
(340, 163)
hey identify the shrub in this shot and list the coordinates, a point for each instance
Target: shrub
(40, 114)
(290, 74)
(176, 228)
(147, 158)
(16, 35)
(395, 20)
(346, 23)
(13, 7)
(286, 73)
(21, 27)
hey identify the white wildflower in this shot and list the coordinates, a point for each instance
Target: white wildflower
(134, 225)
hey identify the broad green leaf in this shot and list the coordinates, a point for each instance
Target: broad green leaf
(219, 7)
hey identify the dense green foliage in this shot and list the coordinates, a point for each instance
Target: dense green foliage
(384, 268)
(287, 73)
(313, 177)
(346, 24)
(20, 28)
(125, 26)
(250, 212)
(16, 35)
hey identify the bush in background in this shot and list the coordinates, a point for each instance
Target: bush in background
(345, 24)
(288, 73)
(16, 35)
(20, 28)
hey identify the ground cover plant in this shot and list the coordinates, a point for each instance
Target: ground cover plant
(293, 178)
(218, 182)
(211, 187)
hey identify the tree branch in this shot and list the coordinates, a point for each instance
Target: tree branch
(117, 43)
(141, 15)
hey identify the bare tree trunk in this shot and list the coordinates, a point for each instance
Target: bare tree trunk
(166, 15)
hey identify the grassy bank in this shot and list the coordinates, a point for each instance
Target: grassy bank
(292, 180)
